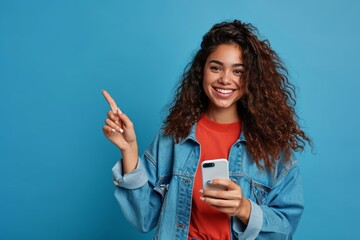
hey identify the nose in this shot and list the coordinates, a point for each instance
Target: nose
(225, 77)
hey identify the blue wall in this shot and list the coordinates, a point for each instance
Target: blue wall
(56, 56)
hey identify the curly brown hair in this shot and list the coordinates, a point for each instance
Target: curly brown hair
(267, 106)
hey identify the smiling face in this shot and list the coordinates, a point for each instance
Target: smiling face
(222, 80)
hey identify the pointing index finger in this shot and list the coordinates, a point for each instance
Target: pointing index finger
(111, 101)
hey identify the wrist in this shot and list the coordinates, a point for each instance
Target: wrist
(129, 158)
(131, 148)
(244, 211)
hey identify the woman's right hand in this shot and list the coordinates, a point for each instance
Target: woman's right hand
(119, 130)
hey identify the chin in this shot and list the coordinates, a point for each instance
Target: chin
(223, 106)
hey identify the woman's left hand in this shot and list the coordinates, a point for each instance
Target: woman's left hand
(230, 201)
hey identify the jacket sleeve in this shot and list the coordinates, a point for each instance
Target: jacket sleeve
(140, 192)
(279, 216)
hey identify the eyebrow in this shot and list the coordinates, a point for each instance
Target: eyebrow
(220, 63)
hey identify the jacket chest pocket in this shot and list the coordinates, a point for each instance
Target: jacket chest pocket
(259, 192)
(253, 190)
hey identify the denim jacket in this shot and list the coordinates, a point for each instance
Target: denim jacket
(158, 193)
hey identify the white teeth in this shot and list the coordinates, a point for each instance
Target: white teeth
(224, 91)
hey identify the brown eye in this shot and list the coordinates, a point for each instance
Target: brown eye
(237, 72)
(215, 68)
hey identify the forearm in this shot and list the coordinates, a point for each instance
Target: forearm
(135, 194)
(277, 224)
(130, 158)
(279, 215)
(141, 207)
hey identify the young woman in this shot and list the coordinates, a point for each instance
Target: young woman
(235, 102)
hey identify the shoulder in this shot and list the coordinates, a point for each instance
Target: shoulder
(161, 140)
(283, 166)
(160, 147)
(284, 170)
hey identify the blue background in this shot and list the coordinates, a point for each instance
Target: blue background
(56, 56)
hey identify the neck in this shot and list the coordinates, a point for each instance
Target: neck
(222, 115)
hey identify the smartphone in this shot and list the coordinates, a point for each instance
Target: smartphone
(211, 169)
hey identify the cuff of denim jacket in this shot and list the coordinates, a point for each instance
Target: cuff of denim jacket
(132, 180)
(253, 228)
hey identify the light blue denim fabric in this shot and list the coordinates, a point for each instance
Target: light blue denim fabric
(158, 193)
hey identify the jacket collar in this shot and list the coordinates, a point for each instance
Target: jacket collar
(192, 135)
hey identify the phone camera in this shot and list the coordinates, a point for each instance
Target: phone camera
(207, 165)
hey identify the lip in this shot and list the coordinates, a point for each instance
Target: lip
(223, 92)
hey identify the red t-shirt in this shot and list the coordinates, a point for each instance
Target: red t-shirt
(216, 140)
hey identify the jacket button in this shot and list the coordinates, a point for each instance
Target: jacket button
(180, 225)
(187, 181)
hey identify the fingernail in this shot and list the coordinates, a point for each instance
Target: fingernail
(201, 191)
(121, 130)
(119, 111)
(113, 130)
(202, 198)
